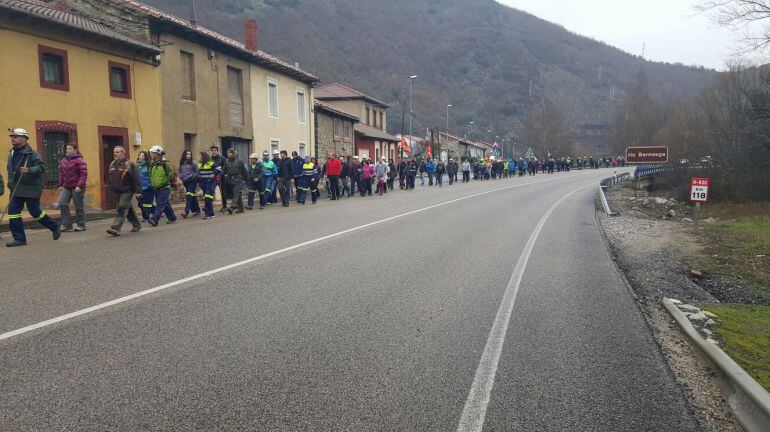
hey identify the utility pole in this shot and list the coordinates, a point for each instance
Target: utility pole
(447, 117)
(411, 85)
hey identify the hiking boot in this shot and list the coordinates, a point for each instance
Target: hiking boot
(66, 229)
(15, 243)
(57, 234)
(80, 228)
(229, 211)
(113, 232)
(136, 228)
(261, 207)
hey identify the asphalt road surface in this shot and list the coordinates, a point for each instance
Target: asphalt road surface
(492, 305)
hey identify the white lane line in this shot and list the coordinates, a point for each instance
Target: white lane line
(475, 410)
(136, 295)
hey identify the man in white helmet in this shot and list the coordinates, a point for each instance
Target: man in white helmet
(161, 174)
(25, 182)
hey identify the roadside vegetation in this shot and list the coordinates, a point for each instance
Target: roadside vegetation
(745, 331)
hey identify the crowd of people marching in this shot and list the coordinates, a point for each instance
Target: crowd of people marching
(243, 184)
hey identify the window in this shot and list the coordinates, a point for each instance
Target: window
(347, 131)
(301, 111)
(337, 128)
(55, 146)
(54, 73)
(189, 141)
(120, 80)
(368, 120)
(272, 96)
(382, 120)
(274, 145)
(187, 75)
(302, 151)
(235, 97)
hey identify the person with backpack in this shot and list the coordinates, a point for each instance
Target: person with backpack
(188, 173)
(161, 174)
(73, 173)
(146, 201)
(235, 173)
(124, 182)
(254, 181)
(25, 181)
(208, 172)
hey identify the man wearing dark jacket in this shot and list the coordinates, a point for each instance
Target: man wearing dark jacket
(235, 174)
(25, 170)
(219, 160)
(285, 176)
(124, 181)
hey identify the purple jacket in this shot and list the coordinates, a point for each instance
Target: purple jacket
(73, 172)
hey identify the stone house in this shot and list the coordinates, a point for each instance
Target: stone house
(334, 132)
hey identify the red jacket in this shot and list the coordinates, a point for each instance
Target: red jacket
(73, 172)
(333, 167)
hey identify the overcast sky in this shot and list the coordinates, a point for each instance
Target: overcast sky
(670, 29)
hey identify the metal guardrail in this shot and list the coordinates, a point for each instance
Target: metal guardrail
(643, 171)
(607, 184)
(749, 401)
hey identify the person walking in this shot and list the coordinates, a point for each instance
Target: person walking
(391, 174)
(402, 173)
(307, 182)
(440, 170)
(254, 181)
(411, 172)
(367, 172)
(333, 171)
(355, 175)
(466, 168)
(285, 176)
(25, 170)
(430, 168)
(208, 171)
(146, 201)
(269, 173)
(235, 173)
(161, 174)
(381, 173)
(189, 174)
(345, 178)
(73, 173)
(451, 170)
(125, 183)
(276, 162)
(423, 170)
(219, 160)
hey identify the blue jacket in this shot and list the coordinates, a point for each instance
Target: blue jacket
(144, 175)
(431, 167)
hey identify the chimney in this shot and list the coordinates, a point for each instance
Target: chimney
(193, 15)
(250, 30)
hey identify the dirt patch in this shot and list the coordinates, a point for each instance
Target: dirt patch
(656, 251)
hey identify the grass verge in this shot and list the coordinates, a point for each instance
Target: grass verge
(745, 331)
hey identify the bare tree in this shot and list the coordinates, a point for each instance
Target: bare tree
(749, 18)
(546, 131)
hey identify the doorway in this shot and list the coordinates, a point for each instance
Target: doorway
(109, 138)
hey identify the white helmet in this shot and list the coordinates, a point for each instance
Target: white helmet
(156, 149)
(253, 156)
(19, 132)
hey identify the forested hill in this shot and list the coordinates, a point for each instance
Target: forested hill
(491, 62)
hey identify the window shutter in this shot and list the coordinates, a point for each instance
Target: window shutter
(235, 96)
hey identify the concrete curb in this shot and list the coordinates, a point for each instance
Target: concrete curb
(749, 401)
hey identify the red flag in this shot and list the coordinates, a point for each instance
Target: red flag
(404, 146)
(429, 152)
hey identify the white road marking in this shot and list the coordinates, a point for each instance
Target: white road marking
(139, 294)
(475, 410)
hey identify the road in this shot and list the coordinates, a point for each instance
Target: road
(492, 305)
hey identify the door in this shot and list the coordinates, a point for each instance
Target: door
(242, 147)
(109, 138)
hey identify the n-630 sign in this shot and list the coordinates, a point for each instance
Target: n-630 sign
(699, 189)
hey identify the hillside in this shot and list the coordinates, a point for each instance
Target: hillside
(478, 55)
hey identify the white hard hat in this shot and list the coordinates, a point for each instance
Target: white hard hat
(275, 152)
(19, 132)
(156, 149)
(253, 156)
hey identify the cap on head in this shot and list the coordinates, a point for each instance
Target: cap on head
(253, 156)
(19, 132)
(275, 152)
(156, 149)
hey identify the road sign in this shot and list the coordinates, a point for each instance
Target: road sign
(699, 189)
(646, 154)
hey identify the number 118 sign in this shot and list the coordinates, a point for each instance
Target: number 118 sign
(699, 189)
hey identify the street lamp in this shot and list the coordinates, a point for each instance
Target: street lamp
(411, 84)
(447, 117)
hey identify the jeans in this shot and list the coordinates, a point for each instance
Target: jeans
(430, 179)
(161, 197)
(466, 176)
(125, 211)
(146, 203)
(439, 178)
(410, 182)
(284, 186)
(345, 186)
(422, 180)
(208, 186)
(66, 195)
(334, 186)
(191, 200)
(365, 187)
(17, 224)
